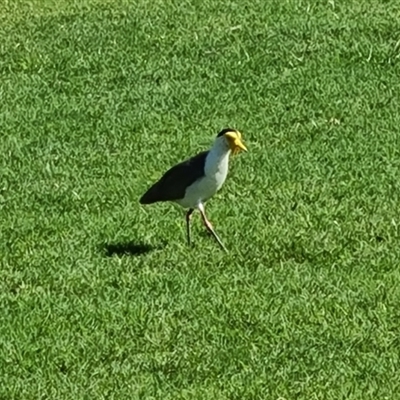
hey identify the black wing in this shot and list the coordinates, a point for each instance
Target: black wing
(172, 185)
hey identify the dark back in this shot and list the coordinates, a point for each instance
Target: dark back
(172, 185)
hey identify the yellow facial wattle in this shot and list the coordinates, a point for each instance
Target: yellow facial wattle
(235, 141)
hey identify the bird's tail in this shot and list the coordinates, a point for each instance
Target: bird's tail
(149, 197)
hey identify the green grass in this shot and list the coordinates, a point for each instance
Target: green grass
(98, 98)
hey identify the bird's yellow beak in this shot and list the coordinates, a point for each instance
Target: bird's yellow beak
(235, 141)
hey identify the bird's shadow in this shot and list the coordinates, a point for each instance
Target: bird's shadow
(130, 248)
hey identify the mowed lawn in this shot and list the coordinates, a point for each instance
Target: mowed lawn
(100, 297)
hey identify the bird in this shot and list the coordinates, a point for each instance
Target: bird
(192, 182)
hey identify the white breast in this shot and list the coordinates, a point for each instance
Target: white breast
(216, 171)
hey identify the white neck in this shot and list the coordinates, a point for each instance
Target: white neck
(218, 159)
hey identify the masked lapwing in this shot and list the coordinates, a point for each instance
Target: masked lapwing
(192, 182)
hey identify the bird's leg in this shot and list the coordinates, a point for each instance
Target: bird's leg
(209, 227)
(188, 217)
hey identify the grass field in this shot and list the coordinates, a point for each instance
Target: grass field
(100, 298)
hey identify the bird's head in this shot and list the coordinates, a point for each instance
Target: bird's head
(233, 140)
